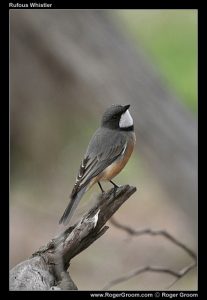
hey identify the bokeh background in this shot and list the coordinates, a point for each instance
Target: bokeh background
(66, 68)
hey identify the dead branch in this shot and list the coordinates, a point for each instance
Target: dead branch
(158, 269)
(165, 234)
(47, 268)
(148, 231)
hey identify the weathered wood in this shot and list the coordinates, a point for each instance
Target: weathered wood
(47, 268)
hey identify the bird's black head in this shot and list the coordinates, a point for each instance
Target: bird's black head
(118, 117)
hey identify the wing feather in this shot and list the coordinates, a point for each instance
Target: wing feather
(103, 150)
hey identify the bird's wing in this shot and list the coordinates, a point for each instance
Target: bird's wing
(104, 148)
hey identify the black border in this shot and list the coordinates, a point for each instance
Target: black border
(63, 4)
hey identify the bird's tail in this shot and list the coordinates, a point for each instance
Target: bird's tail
(74, 201)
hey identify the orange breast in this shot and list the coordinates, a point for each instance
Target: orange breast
(114, 169)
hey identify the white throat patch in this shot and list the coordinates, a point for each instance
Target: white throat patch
(126, 120)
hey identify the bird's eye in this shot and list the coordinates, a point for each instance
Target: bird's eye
(114, 117)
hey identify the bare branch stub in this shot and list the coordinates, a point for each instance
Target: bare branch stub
(77, 238)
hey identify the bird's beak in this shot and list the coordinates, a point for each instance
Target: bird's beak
(126, 107)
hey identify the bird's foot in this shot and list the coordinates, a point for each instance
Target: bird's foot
(102, 190)
(115, 187)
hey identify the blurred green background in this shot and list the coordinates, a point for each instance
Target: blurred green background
(66, 68)
(170, 38)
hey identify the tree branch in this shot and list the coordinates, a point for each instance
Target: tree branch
(165, 234)
(158, 269)
(148, 231)
(46, 269)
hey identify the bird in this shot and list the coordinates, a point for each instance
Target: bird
(106, 155)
